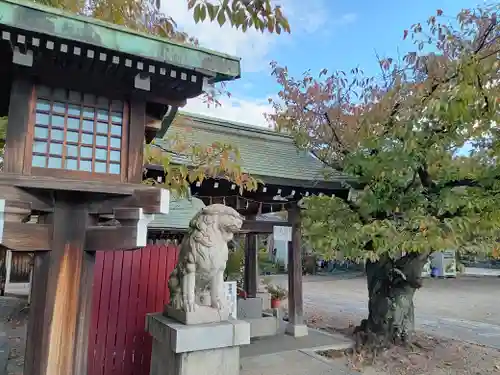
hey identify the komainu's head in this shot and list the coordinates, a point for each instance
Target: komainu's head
(216, 222)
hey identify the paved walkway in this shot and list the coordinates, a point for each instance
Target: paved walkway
(291, 363)
(283, 343)
(286, 355)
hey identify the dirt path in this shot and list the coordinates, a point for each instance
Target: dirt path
(430, 354)
(463, 308)
(13, 326)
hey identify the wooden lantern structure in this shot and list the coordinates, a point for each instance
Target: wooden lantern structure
(78, 94)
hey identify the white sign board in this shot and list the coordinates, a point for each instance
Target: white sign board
(444, 263)
(231, 297)
(282, 233)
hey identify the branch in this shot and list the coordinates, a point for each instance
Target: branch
(466, 182)
(484, 37)
(335, 166)
(343, 150)
(425, 177)
(411, 183)
(364, 220)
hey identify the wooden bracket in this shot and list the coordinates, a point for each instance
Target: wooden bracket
(151, 199)
(18, 235)
(129, 234)
(132, 230)
(259, 226)
(39, 201)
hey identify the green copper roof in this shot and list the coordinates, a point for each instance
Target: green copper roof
(264, 153)
(32, 17)
(181, 212)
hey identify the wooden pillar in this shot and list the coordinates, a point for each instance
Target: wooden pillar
(58, 325)
(4, 269)
(251, 265)
(136, 149)
(296, 326)
(17, 129)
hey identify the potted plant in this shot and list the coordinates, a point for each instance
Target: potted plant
(277, 293)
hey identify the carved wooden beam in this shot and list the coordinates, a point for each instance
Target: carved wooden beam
(150, 199)
(40, 201)
(62, 184)
(18, 235)
(258, 226)
(132, 229)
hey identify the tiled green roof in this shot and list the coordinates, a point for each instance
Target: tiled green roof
(181, 212)
(264, 152)
(34, 18)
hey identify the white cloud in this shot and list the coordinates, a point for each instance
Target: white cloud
(346, 19)
(252, 46)
(247, 111)
(308, 16)
(305, 17)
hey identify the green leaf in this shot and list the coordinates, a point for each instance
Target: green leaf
(197, 13)
(212, 11)
(203, 12)
(221, 18)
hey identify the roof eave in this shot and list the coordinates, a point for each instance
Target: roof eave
(340, 183)
(39, 19)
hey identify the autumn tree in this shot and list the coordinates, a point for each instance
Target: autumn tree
(145, 16)
(214, 160)
(422, 140)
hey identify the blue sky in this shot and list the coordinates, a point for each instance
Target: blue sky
(337, 35)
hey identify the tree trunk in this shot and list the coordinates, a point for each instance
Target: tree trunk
(391, 287)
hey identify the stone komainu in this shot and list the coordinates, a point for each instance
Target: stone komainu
(198, 277)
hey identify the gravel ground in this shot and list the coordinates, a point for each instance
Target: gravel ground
(13, 320)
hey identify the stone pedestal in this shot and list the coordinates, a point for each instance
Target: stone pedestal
(266, 300)
(250, 310)
(296, 330)
(202, 315)
(208, 349)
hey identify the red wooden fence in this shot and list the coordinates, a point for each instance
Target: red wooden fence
(127, 285)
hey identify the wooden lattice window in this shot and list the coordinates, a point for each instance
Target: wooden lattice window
(78, 132)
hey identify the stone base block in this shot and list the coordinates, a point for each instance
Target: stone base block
(208, 349)
(266, 300)
(296, 330)
(202, 315)
(249, 308)
(222, 361)
(182, 338)
(264, 326)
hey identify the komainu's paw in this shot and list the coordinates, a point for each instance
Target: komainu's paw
(189, 303)
(218, 304)
(176, 302)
